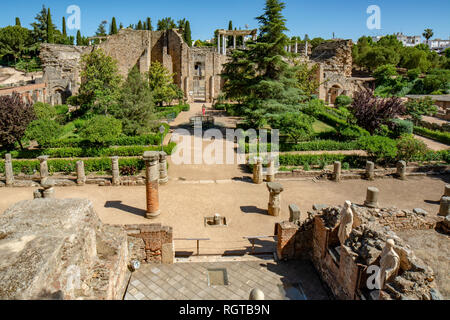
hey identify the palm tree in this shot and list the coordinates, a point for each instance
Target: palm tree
(428, 34)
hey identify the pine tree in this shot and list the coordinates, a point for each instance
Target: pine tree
(149, 24)
(50, 28)
(113, 26)
(64, 30)
(187, 34)
(260, 77)
(101, 31)
(79, 39)
(18, 22)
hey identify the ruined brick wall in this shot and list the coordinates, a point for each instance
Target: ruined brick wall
(336, 56)
(344, 268)
(154, 237)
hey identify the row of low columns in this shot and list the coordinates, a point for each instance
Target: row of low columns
(258, 175)
(370, 171)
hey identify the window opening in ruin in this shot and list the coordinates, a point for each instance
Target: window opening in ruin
(217, 277)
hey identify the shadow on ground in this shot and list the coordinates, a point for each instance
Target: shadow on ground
(123, 207)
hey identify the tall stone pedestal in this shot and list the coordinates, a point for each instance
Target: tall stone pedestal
(370, 171)
(81, 175)
(43, 166)
(337, 171)
(115, 171)
(163, 174)
(258, 171)
(275, 190)
(270, 177)
(401, 170)
(9, 172)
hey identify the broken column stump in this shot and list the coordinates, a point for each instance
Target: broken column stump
(152, 168)
(275, 190)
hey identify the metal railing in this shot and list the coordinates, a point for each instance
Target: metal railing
(193, 239)
(254, 238)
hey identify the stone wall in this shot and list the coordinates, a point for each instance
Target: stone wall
(336, 56)
(59, 249)
(156, 242)
(345, 268)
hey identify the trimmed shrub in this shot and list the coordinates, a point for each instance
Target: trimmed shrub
(380, 149)
(343, 101)
(44, 111)
(410, 148)
(401, 127)
(440, 136)
(321, 160)
(101, 130)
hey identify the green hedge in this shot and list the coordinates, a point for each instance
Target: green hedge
(316, 145)
(150, 139)
(323, 159)
(337, 122)
(440, 136)
(128, 151)
(69, 165)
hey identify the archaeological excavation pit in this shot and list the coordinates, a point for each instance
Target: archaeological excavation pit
(217, 221)
(217, 277)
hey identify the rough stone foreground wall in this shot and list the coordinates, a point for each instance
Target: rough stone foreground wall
(336, 56)
(154, 238)
(346, 272)
(59, 249)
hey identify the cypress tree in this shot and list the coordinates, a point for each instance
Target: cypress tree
(18, 22)
(113, 26)
(139, 26)
(121, 26)
(79, 39)
(64, 31)
(50, 30)
(230, 38)
(149, 24)
(187, 34)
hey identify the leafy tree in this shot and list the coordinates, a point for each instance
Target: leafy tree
(187, 34)
(101, 30)
(161, 84)
(135, 107)
(18, 22)
(379, 56)
(100, 82)
(409, 148)
(15, 41)
(44, 111)
(113, 29)
(43, 131)
(15, 116)
(385, 73)
(428, 34)
(417, 108)
(181, 24)
(40, 28)
(371, 112)
(307, 77)
(101, 130)
(166, 24)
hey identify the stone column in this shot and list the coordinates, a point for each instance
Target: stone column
(370, 171)
(294, 213)
(115, 171)
(234, 42)
(151, 159)
(224, 45)
(258, 171)
(447, 191)
(9, 172)
(81, 176)
(372, 197)
(296, 47)
(218, 43)
(401, 170)
(275, 190)
(44, 166)
(163, 175)
(337, 171)
(444, 209)
(270, 177)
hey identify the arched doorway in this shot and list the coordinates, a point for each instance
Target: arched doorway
(334, 92)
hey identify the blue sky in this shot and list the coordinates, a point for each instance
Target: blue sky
(346, 18)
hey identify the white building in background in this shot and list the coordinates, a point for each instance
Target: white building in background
(439, 44)
(408, 41)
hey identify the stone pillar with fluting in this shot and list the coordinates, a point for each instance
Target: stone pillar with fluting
(9, 172)
(151, 159)
(115, 171)
(372, 197)
(163, 175)
(401, 170)
(258, 171)
(43, 166)
(270, 177)
(81, 175)
(274, 207)
(370, 171)
(337, 171)
(444, 209)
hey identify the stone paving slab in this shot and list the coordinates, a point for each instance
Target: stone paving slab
(189, 281)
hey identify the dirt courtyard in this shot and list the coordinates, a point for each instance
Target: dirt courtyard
(184, 205)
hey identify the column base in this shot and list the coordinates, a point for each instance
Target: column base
(270, 178)
(163, 181)
(274, 212)
(153, 215)
(371, 204)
